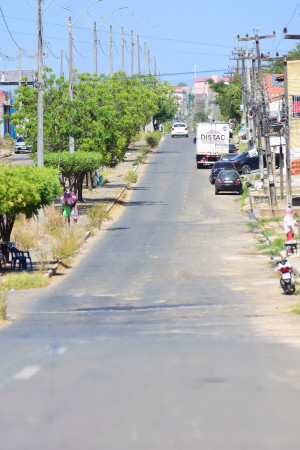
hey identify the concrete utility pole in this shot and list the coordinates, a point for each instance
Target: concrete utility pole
(71, 139)
(122, 35)
(249, 92)
(256, 123)
(265, 122)
(289, 194)
(149, 62)
(132, 54)
(138, 49)
(111, 50)
(246, 91)
(61, 62)
(145, 59)
(40, 117)
(95, 50)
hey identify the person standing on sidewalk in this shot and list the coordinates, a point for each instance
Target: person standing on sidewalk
(289, 227)
(75, 212)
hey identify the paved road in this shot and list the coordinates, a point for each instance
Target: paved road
(169, 334)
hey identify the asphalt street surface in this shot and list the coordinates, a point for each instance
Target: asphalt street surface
(170, 332)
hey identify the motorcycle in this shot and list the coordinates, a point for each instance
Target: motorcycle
(287, 281)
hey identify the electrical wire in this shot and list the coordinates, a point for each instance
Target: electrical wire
(9, 32)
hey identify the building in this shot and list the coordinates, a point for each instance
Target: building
(6, 109)
(201, 86)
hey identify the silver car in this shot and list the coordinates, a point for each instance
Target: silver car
(21, 146)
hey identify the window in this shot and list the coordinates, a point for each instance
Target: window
(296, 106)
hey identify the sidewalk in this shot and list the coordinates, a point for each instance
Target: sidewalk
(110, 191)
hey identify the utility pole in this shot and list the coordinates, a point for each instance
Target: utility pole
(40, 112)
(145, 59)
(149, 62)
(122, 37)
(240, 55)
(138, 50)
(289, 195)
(71, 139)
(61, 62)
(256, 119)
(132, 44)
(265, 122)
(20, 67)
(250, 119)
(95, 50)
(154, 66)
(111, 50)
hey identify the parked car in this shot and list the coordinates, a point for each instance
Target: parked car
(227, 157)
(247, 161)
(21, 146)
(233, 149)
(229, 181)
(217, 167)
(179, 129)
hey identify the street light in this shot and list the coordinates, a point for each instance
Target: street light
(110, 33)
(70, 24)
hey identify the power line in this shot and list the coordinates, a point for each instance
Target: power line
(13, 39)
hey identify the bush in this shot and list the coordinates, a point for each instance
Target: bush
(130, 177)
(67, 242)
(97, 214)
(153, 138)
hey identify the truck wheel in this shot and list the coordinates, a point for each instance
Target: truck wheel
(246, 168)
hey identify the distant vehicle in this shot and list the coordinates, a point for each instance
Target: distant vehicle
(21, 146)
(217, 167)
(229, 181)
(179, 129)
(227, 157)
(233, 149)
(248, 161)
(212, 140)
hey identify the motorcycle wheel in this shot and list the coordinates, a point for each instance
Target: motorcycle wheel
(290, 289)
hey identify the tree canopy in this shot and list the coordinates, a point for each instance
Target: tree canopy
(106, 112)
(229, 97)
(277, 66)
(24, 189)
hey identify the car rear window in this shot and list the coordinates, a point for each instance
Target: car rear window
(232, 175)
(179, 125)
(224, 164)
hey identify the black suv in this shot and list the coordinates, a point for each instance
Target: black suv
(245, 162)
(217, 167)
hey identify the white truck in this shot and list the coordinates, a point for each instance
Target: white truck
(212, 140)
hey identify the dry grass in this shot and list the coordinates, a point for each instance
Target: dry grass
(23, 280)
(67, 243)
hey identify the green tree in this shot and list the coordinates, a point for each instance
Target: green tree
(105, 114)
(229, 97)
(167, 107)
(74, 166)
(24, 189)
(276, 67)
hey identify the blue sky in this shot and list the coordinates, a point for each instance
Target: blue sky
(180, 35)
